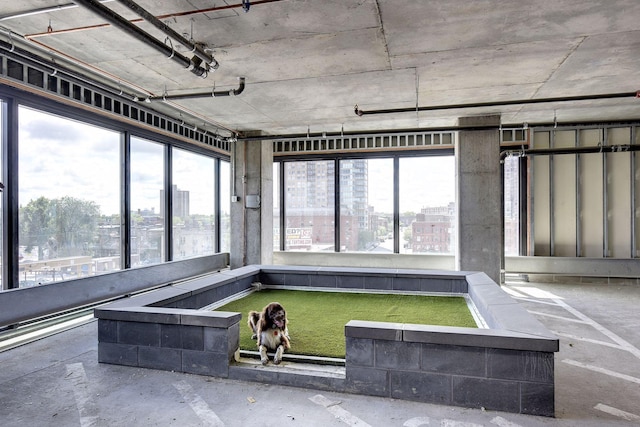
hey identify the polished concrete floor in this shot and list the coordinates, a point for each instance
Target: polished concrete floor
(57, 381)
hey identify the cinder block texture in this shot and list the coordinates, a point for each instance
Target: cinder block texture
(508, 366)
(166, 332)
(369, 381)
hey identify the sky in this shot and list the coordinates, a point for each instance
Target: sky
(61, 157)
(424, 182)
(57, 156)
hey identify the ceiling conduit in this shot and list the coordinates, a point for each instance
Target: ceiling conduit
(360, 112)
(165, 16)
(213, 93)
(124, 24)
(194, 47)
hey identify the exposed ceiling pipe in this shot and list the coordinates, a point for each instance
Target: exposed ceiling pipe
(165, 16)
(145, 37)
(113, 81)
(195, 48)
(360, 112)
(213, 93)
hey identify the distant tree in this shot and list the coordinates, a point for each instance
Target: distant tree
(76, 222)
(61, 227)
(407, 235)
(36, 225)
(136, 219)
(365, 239)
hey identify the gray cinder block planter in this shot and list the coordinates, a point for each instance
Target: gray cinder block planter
(506, 366)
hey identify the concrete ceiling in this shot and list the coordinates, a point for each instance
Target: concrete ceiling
(308, 62)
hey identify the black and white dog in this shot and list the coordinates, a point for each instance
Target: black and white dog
(269, 327)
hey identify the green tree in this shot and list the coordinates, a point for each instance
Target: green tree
(61, 226)
(407, 235)
(36, 225)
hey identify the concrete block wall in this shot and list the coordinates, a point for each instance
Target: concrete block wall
(507, 366)
(200, 292)
(169, 339)
(165, 330)
(384, 360)
(366, 279)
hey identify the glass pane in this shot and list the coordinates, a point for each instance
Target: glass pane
(427, 204)
(366, 205)
(3, 116)
(147, 203)
(511, 206)
(276, 206)
(69, 198)
(309, 206)
(225, 206)
(193, 213)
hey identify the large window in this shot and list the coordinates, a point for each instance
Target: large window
(276, 206)
(309, 206)
(147, 202)
(193, 194)
(69, 198)
(512, 206)
(225, 206)
(367, 217)
(427, 205)
(366, 205)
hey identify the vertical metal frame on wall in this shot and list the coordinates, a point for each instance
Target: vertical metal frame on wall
(216, 205)
(531, 227)
(125, 199)
(281, 202)
(396, 205)
(605, 197)
(632, 165)
(12, 185)
(523, 212)
(578, 195)
(611, 141)
(4, 180)
(168, 202)
(337, 214)
(552, 248)
(10, 248)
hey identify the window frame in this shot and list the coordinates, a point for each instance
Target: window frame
(10, 101)
(395, 156)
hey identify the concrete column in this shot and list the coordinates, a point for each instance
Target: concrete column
(251, 224)
(478, 183)
(266, 212)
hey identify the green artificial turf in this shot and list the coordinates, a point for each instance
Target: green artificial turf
(317, 319)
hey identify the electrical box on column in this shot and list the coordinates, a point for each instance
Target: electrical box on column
(252, 201)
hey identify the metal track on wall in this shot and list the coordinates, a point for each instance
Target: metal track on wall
(380, 142)
(371, 142)
(51, 81)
